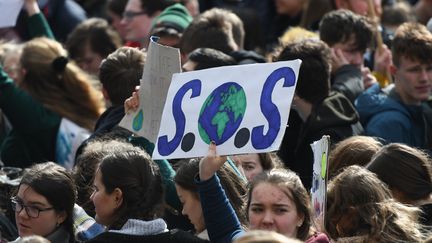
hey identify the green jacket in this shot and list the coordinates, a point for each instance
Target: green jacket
(34, 132)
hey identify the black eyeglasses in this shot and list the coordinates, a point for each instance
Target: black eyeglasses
(129, 15)
(32, 211)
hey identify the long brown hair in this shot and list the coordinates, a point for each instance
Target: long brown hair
(67, 91)
(359, 204)
(405, 169)
(355, 150)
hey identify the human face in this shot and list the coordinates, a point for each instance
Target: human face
(272, 209)
(45, 223)
(352, 54)
(289, 7)
(413, 81)
(137, 27)
(116, 24)
(105, 203)
(90, 61)
(191, 208)
(251, 165)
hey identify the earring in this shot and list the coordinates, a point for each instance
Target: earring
(300, 224)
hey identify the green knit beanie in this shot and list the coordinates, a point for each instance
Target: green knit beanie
(175, 16)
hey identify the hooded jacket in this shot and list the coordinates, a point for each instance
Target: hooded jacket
(384, 115)
(334, 116)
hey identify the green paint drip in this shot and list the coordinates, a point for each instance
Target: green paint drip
(138, 121)
(323, 166)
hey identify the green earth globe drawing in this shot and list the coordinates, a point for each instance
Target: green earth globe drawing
(222, 113)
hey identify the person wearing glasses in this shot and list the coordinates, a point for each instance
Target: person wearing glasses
(138, 17)
(44, 203)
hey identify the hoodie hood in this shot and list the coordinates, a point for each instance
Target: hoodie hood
(375, 100)
(334, 111)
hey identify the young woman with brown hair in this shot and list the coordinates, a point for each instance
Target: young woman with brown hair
(52, 88)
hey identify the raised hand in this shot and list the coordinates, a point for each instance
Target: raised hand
(32, 7)
(338, 59)
(368, 78)
(211, 163)
(132, 103)
(383, 60)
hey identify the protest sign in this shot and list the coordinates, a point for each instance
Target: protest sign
(9, 10)
(243, 109)
(161, 63)
(320, 150)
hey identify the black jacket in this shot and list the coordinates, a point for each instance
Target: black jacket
(247, 57)
(107, 125)
(348, 80)
(334, 116)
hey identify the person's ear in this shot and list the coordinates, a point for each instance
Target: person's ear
(105, 93)
(118, 197)
(300, 220)
(393, 69)
(61, 217)
(295, 99)
(23, 71)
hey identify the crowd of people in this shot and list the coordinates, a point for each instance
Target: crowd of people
(365, 80)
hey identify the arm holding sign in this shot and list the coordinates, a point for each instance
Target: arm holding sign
(132, 103)
(220, 219)
(37, 24)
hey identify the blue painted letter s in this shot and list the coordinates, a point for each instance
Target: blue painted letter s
(270, 110)
(166, 147)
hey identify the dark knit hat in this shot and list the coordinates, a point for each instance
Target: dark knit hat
(175, 16)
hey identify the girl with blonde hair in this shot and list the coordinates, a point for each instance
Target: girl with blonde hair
(52, 88)
(59, 84)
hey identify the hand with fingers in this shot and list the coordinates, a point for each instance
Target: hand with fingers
(383, 60)
(131, 104)
(368, 78)
(211, 163)
(32, 7)
(338, 59)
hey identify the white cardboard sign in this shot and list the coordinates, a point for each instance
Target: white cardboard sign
(161, 63)
(9, 10)
(243, 109)
(320, 150)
